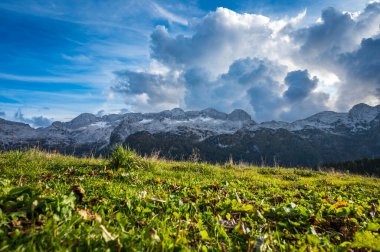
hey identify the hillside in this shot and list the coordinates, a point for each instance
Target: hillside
(53, 202)
(322, 138)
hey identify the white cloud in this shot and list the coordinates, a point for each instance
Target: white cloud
(77, 58)
(25, 78)
(171, 17)
(205, 61)
(222, 37)
(148, 91)
(224, 60)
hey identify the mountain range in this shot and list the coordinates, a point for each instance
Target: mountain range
(210, 135)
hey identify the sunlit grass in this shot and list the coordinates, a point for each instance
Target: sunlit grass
(150, 204)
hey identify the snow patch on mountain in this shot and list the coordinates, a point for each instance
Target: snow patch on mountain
(363, 113)
(90, 129)
(358, 118)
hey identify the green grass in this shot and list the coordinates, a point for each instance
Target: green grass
(128, 203)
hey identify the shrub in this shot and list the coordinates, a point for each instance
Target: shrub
(127, 159)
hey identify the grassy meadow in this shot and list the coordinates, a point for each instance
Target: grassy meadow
(50, 202)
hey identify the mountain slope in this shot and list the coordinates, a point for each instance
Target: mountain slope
(217, 136)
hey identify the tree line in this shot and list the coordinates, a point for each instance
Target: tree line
(365, 166)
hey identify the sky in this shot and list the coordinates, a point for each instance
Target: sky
(278, 60)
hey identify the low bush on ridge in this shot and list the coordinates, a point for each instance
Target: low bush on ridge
(127, 159)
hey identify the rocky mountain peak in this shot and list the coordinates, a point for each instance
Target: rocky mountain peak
(83, 120)
(177, 111)
(239, 115)
(4, 123)
(177, 114)
(213, 113)
(363, 112)
(57, 124)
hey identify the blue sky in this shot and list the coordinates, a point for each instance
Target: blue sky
(62, 58)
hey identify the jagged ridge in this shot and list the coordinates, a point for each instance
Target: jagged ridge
(205, 130)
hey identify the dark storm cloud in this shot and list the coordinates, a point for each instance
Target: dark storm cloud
(198, 89)
(171, 51)
(338, 32)
(266, 103)
(328, 37)
(365, 62)
(232, 88)
(299, 85)
(300, 97)
(362, 72)
(259, 78)
(253, 84)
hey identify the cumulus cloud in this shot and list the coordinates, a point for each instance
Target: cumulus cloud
(219, 39)
(301, 98)
(297, 101)
(347, 45)
(333, 34)
(299, 85)
(337, 32)
(258, 86)
(231, 89)
(364, 63)
(198, 86)
(35, 121)
(261, 81)
(204, 67)
(148, 91)
(362, 73)
(273, 68)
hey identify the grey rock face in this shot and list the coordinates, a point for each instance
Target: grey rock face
(213, 113)
(82, 120)
(239, 115)
(363, 112)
